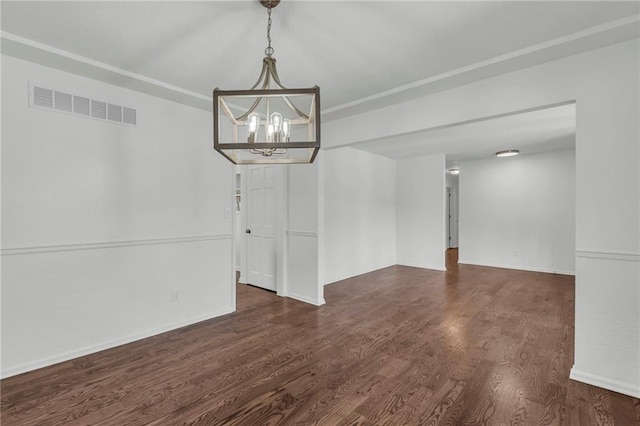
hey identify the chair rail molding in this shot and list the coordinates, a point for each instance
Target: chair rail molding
(112, 244)
(608, 254)
(298, 233)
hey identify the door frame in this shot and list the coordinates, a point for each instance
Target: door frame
(452, 215)
(282, 220)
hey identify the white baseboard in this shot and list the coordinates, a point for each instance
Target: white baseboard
(431, 267)
(55, 359)
(605, 383)
(357, 274)
(306, 299)
(518, 267)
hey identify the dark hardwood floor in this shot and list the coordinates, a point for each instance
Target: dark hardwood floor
(451, 259)
(399, 346)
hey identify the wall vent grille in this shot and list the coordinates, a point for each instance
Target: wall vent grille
(98, 109)
(129, 116)
(41, 97)
(81, 105)
(114, 113)
(62, 101)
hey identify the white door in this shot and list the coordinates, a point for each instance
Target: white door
(261, 226)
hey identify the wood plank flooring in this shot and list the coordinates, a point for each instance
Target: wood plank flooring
(399, 346)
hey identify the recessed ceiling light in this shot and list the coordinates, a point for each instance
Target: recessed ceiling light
(507, 153)
(455, 171)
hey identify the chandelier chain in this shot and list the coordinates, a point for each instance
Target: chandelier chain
(269, 50)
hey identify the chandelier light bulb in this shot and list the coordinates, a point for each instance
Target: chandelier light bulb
(270, 132)
(276, 122)
(253, 123)
(286, 129)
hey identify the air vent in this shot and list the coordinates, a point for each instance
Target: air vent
(62, 101)
(114, 113)
(98, 109)
(129, 116)
(42, 97)
(79, 105)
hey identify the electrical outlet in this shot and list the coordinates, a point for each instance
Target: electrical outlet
(175, 295)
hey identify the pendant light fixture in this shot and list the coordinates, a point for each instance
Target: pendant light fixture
(265, 124)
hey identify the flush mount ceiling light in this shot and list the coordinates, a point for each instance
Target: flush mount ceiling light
(269, 125)
(454, 171)
(507, 153)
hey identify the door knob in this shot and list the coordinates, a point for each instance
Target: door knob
(248, 231)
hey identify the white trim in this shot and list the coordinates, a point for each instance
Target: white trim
(608, 26)
(598, 29)
(371, 271)
(282, 222)
(234, 261)
(321, 225)
(47, 48)
(306, 299)
(296, 233)
(431, 267)
(605, 383)
(517, 267)
(609, 255)
(111, 244)
(244, 272)
(66, 356)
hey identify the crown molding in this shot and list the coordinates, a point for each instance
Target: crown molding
(607, 33)
(44, 54)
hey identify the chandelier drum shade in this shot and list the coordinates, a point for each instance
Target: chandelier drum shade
(267, 123)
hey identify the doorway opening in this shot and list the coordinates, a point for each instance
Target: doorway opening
(257, 204)
(451, 208)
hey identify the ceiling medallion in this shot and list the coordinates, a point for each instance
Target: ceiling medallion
(265, 124)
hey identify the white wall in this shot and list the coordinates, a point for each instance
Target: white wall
(420, 212)
(303, 281)
(519, 212)
(101, 222)
(452, 210)
(359, 213)
(605, 85)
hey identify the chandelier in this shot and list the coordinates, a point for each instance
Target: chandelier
(265, 124)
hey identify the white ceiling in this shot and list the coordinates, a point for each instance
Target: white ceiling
(529, 132)
(362, 54)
